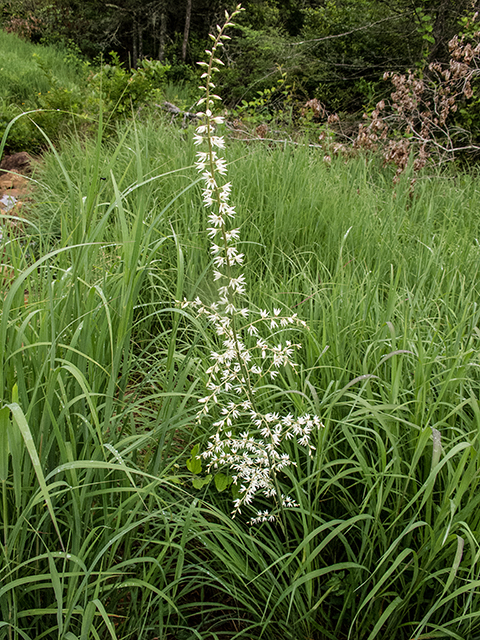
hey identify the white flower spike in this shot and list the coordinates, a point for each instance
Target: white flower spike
(242, 366)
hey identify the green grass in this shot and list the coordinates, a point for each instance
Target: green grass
(102, 533)
(21, 77)
(49, 91)
(39, 85)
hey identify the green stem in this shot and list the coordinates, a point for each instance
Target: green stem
(231, 295)
(5, 518)
(283, 520)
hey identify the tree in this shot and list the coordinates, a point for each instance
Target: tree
(188, 17)
(163, 29)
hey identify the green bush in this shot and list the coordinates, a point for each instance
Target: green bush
(122, 90)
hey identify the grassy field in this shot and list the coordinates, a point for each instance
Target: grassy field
(103, 531)
(21, 76)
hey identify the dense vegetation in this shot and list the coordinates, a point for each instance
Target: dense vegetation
(111, 526)
(332, 50)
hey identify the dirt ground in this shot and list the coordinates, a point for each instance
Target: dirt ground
(14, 191)
(14, 183)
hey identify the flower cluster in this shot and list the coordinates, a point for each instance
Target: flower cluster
(246, 441)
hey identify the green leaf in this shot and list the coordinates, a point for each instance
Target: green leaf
(384, 617)
(194, 463)
(222, 481)
(22, 424)
(199, 483)
(4, 450)
(106, 619)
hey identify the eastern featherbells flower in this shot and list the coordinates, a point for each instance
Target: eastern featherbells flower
(240, 367)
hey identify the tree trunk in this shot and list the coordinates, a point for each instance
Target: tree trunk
(187, 29)
(135, 42)
(140, 39)
(163, 31)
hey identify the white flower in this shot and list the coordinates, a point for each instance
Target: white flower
(228, 209)
(217, 141)
(233, 256)
(207, 198)
(216, 219)
(209, 180)
(233, 234)
(220, 261)
(225, 191)
(221, 166)
(254, 456)
(238, 284)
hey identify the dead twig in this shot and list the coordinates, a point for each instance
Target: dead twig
(176, 111)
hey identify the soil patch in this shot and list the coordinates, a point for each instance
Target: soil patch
(14, 191)
(14, 186)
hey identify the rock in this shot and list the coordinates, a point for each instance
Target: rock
(7, 202)
(17, 162)
(13, 186)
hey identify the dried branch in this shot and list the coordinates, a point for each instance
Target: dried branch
(418, 119)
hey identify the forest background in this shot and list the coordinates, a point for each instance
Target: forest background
(283, 52)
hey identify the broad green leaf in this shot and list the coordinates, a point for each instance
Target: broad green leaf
(22, 424)
(58, 591)
(106, 619)
(87, 621)
(199, 482)
(222, 481)
(384, 617)
(194, 463)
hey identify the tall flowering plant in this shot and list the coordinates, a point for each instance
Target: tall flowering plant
(246, 440)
